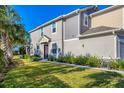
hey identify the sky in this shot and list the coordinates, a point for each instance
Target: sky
(35, 15)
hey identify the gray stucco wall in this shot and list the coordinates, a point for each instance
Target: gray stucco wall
(71, 27)
(35, 36)
(99, 46)
(55, 37)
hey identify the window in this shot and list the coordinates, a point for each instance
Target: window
(53, 27)
(54, 48)
(85, 20)
(38, 47)
(41, 31)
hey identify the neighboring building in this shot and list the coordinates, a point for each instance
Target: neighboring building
(87, 31)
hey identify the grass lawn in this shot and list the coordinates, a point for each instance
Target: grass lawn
(51, 75)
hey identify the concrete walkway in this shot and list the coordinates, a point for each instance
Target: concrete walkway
(80, 66)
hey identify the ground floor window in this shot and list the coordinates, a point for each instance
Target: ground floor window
(54, 48)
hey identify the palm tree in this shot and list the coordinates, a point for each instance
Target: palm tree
(11, 30)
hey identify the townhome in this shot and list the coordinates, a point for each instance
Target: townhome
(87, 31)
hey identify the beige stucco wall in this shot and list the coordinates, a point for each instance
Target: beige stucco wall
(100, 46)
(112, 18)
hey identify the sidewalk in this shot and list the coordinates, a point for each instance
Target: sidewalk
(80, 66)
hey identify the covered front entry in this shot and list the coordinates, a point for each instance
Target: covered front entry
(44, 41)
(45, 51)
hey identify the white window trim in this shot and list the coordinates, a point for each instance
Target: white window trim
(85, 15)
(52, 28)
(71, 39)
(57, 48)
(40, 31)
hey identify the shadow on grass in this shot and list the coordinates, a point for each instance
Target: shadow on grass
(105, 79)
(38, 76)
(48, 81)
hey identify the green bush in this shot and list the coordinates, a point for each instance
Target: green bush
(2, 60)
(121, 64)
(81, 60)
(60, 59)
(113, 64)
(35, 58)
(94, 61)
(26, 56)
(69, 58)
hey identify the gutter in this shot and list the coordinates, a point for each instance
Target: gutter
(99, 33)
(106, 10)
(63, 16)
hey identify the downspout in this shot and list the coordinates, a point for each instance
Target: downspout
(62, 37)
(116, 46)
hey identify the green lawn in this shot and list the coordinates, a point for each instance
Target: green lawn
(51, 75)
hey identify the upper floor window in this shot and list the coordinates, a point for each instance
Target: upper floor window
(54, 27)
(85, 20)
(41, 31)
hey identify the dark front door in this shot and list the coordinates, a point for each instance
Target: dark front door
(45, 51)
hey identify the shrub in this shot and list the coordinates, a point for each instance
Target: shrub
(113, 64)
(81, 60)
(121, 64)
(26, 56)
(94, 61)
(51, 58)
(35, 58)
(60, 59)
(69, 58)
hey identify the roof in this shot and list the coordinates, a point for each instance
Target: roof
(64, 16)
(106, 10)
(98, 29)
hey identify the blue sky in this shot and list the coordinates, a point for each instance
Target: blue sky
(35, 15)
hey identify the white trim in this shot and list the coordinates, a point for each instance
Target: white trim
(52, 28)
(72, 39)
(42, 31)
(102, 32)
(62, 16)
(123, 17)
(115, 46)
(84, 19)
(79, 23)
(118, 46)
(57, 48)
(106, 9)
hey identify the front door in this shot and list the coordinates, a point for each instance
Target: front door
(45, 51)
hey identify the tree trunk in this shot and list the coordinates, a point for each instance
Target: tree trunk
(4, 48)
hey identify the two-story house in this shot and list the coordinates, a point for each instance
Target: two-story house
(87, 31)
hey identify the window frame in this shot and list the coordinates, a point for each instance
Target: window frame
(84, 20)
(54, 27)
(54, 48)
(41, 31)
(38, 47)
